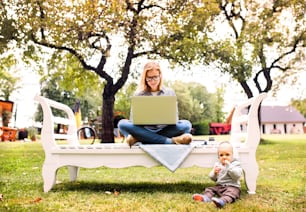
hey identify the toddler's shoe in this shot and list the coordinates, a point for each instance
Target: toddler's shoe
(218, 202)
(200, 198)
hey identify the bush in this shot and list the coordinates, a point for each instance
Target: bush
(201, 128)
(32, 133)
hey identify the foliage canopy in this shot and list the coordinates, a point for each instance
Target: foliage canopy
(246, 39)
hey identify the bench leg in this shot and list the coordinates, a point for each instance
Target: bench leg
(73, 172)
(49, 177)
(251, 174)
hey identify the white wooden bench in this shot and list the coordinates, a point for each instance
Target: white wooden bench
(118, 155)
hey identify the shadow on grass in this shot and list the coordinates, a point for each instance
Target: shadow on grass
(144, 187)
(266, 142)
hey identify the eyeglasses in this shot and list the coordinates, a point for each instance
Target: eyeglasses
(155, 78)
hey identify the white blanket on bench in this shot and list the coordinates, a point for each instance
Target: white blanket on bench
(169, 155)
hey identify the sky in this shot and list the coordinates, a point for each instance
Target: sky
(25, 106)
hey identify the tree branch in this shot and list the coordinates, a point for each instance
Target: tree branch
(229, 16)
(144, 53)
(72, 51)
(233, 13)
(294, 47)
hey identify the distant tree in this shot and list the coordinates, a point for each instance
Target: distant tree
(220, 104)
(88, 30)
(249, 40)
(63, 86)
(8, 77)
(195, 103)
(52, 90)
(8, 33)
(123, 101)
(300, 105)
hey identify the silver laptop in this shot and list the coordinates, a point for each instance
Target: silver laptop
(153, 110)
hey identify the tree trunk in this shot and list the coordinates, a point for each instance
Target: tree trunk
(109, 92)
(108, 119)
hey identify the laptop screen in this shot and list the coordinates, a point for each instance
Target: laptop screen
(153, 110)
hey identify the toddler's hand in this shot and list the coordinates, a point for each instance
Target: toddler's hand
(217, 169)
(226, 162)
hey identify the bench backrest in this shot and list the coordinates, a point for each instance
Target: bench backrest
(48, 136)
(245, 124)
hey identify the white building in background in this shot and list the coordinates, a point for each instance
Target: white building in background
(281, 120)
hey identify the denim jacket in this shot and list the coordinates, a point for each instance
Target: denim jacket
(163, 92)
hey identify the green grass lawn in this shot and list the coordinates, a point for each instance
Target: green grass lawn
(280, 185)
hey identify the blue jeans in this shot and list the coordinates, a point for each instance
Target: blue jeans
(147, 136)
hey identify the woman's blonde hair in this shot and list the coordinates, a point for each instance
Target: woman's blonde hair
(149, 66)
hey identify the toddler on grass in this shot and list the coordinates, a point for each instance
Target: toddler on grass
(226, 173)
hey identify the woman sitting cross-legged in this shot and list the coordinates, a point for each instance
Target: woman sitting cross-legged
(151, 85)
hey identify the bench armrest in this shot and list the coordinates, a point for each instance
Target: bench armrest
(48, 136)
(245, 123)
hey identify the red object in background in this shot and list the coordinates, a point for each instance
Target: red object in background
(219, 128)
(8, 134)
(6, 105)
(216, 128)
